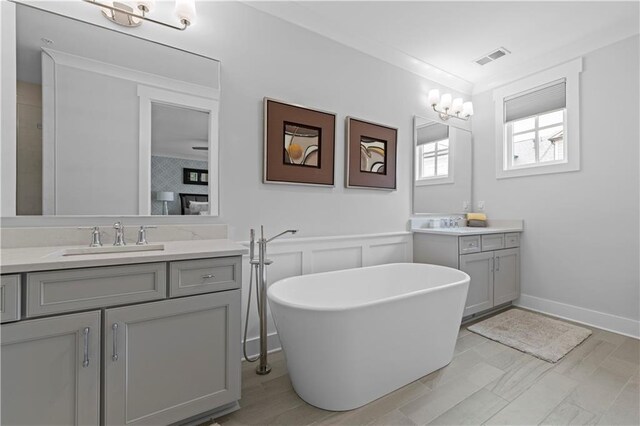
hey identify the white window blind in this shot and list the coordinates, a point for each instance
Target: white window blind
(432, 133)
(543, 99)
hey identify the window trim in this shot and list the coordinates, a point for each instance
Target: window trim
(434, 180)
(570, 71)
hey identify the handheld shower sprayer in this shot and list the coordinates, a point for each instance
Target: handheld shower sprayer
(258, 268)
(252, 243)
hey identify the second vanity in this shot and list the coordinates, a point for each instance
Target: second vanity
(148, 337)
(491, 257)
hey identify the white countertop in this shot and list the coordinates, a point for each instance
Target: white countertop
(462, 231)
(30, 259)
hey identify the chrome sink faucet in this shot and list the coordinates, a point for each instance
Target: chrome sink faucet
(142, 234)
(119, 241)
(95, 236)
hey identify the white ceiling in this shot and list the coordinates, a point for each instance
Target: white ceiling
(176, 130)
(440, 40)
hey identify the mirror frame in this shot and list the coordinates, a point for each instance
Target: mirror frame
(459, 124)
(8, 112)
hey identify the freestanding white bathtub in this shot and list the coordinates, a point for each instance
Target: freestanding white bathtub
(350, 337)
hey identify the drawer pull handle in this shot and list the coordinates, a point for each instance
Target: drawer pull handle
(497, 263)
(114, 356)
(85, 361)
(208, 276)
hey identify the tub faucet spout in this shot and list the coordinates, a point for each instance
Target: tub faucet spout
(288, 231)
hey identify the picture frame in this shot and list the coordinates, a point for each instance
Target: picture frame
(371, 156)
(299, 144)
(195, 176)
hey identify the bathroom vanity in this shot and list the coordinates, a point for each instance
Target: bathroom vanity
(491, 257)
(149, 337)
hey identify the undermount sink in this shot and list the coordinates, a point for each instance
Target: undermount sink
(111, 249)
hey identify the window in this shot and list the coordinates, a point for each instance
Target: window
(433, 159)
(538, 120)
(536, 140)
(433, 155)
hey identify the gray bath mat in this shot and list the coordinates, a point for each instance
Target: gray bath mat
(540, 336)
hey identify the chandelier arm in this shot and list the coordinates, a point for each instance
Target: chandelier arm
(444, 115)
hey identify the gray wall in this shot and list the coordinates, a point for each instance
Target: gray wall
(166, 175)
(580, 244)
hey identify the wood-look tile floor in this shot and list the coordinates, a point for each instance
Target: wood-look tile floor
(486, 383)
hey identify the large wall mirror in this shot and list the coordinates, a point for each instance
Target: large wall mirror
(111, 124)
(442, 167)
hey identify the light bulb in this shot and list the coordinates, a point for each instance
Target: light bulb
(445, 101)
(467, 109)
(186, 11)
(456, 105)
(434, 97)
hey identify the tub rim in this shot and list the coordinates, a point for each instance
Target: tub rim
(276, 299)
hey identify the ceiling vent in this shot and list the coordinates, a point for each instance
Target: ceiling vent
(490, 57)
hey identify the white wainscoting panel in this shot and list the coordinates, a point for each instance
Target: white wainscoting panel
(299, 256)
(336, 259)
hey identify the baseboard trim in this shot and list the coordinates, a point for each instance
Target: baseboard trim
(253, 344)
(609, 322)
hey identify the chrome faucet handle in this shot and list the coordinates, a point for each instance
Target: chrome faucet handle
(119, 240)
(95, 235)
(142, 234)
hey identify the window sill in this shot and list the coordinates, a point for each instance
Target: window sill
(434, 181)
(538, 169)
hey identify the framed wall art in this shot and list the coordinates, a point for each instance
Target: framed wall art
(195, 176)
(371, 155)
(299, 144)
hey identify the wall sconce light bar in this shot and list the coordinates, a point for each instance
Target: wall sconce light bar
(125, 15)
(446, 107)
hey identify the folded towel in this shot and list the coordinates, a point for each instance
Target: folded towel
(477, 223)
(476, 216)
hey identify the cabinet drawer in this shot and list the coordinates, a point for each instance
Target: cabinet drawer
(9, 298)
(492, 242)
(511, 240)
(77, 289)
(204, 275)
(470, 244)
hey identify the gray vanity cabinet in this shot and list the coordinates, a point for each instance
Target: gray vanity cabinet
(491, 260)
(479, 266)
(506, 283)
(495, 279)
(166, 361)
(51, 371)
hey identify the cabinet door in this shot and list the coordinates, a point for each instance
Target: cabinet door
(166, 361)
(51, 371)
(479, 266)
(506, 284)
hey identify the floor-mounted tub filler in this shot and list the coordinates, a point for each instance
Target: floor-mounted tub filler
(350, 337)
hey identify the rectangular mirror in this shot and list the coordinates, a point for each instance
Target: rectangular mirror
(442, 168)
(110, 124)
